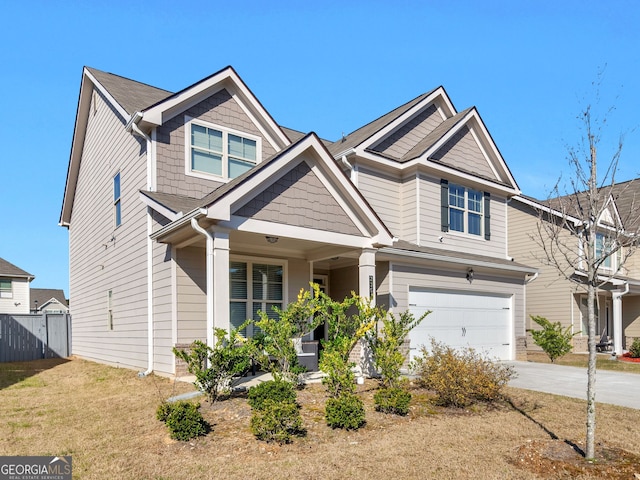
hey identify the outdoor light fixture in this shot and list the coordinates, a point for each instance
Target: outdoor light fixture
(470, 275)
(271, 239)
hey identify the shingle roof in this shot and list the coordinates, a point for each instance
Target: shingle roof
(10, 270)
(43, 295)
(360, 135)
(175, 203)
(131, 95)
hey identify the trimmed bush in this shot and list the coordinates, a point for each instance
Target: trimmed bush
(277, 421)
(634, 350)
(271, 391)
(345, 411)
(461, 377)
(392, 400)
(183, 419)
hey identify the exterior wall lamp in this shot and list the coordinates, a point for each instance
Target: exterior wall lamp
(470, 275)
(271, 239)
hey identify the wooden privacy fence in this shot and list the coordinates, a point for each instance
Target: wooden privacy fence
(32, 337)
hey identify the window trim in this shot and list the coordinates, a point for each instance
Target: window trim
(484, 213)
(117, 200)
(7, 293)
(226, 131)
(611, 259)
(250, 261)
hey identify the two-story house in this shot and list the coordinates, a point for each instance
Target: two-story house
(559, 299)
(14, 288)
(193, 210)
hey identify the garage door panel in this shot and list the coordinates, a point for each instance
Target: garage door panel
(462, 319)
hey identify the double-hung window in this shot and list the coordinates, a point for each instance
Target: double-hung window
(254, 287)
(117, 206)
(6, 290)
(603, 249)
(220, 152)
(464, 210)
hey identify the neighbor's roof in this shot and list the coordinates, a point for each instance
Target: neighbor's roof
(10, 270)
(44, 295)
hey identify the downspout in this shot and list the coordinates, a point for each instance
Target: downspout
(617, 319)
(133, 128)
(531, 279)
(196, 226)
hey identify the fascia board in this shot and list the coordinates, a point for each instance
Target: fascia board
(228, 79)
(544, 208)
(158, 207)
(387, 129)
(455, 260)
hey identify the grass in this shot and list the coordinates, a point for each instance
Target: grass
(603, 361)
(105, 418)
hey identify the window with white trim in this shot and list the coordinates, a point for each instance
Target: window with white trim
(254, 286)
(464, 209)
(117, 205)
(603, 249)
(215, 151)
(6, 289)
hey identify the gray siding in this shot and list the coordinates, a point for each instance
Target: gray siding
(431, 231)
(103, 257)
(20, 296)
(383, 194)
(221, 109)
(462, 152)
(162, 309)
(299, 198)
(408, 135)
(191, 278)
(409, 210)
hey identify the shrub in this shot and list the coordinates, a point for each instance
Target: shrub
(345, 411)
(461, 377)
(271, 391)
(386, 342)
(277, 421)
(634, 350)
(555, 341)
(183, 419)
(216, 367)
(392, 400)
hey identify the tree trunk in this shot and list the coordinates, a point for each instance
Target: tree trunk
(591, 376)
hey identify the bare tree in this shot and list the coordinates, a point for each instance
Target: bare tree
(587, 238)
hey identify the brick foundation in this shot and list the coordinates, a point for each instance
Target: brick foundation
(181, 365)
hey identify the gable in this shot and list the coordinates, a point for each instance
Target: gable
(402, 140)
(462, 152)
(300, 199)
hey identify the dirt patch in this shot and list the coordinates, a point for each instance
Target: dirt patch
(563, 459)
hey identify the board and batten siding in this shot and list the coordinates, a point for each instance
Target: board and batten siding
(382, 191)
(191, 279)
(405, 276)
(219, 109)
(550, 295)
(431, 226)
(103, 257)
(163, 358)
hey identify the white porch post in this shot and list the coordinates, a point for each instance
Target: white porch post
(218, 298)
(367, 274)
(617, 320)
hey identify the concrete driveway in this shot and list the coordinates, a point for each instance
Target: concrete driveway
(616, 388)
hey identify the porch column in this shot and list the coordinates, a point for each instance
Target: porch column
(367, 274)
(617, 321)
(219, 296)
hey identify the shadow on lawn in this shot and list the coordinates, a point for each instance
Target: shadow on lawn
(552, 435)
(15, 372)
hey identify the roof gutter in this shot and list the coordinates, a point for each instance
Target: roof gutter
(178, 224)
(532, 278)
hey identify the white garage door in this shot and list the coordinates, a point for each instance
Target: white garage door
(462, 319)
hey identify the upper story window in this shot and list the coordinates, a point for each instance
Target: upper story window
(220, 152)
(603, 249)
(117, 207)
(6, 290)
(465, 210)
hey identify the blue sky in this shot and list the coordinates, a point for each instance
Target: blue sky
(328, 67)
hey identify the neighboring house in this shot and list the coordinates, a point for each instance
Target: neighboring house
(48, 300)
(558, 299)
(14, 288)
(193, 210)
